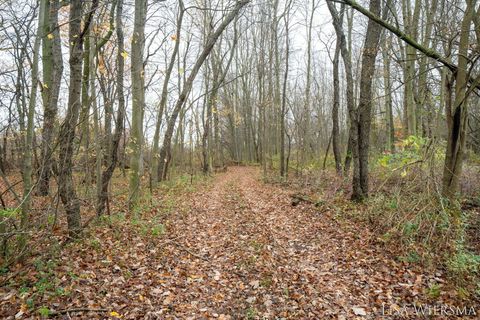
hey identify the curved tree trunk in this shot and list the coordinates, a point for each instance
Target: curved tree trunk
(165, 151)
(163, 100)
(335, 107)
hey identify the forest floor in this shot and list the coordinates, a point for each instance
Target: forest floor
(232, 248)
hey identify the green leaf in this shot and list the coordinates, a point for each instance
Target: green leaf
(44, 311)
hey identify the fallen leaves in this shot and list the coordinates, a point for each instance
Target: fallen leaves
(235, 249)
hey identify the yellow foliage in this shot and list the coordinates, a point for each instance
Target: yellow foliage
(115, 314)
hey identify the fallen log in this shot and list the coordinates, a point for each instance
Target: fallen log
(298, 198)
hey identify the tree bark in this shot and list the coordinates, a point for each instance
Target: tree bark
(66, 188)
(138, 100)
(119, 123)
(52, 75)
(352, 153)
(369, 55)
(155, 174)
(457, 116)
(28, 135)
(335, 107)
(388, 98)
(283, 111)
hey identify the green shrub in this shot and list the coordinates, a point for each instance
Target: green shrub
(464, 263)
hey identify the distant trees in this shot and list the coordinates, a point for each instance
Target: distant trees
(165, 151)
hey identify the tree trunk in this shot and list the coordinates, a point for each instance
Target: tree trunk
(457, 116)
(360, 190)
(155, 176)
(306, 143)
(52, 76)
(335, 107)
(28, 135)
(119, 123)
(66, 188)
(352, 153)
(424, 108)
(388, 99)
(138, 100)
(283, 112)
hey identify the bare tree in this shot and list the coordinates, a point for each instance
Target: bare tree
(66, 188)
(212, 39)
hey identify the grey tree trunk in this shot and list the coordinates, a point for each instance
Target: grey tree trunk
(66, 187)
(352, 153)
(28, 135)
(336, 104)
(457, 115)
(369, 55)
(388, 100)
(138, 100)
(119, 123)
(52, 75)
(155, 175)
(283, 110)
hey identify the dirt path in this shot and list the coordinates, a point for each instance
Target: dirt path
(236, 249)
(249, 254)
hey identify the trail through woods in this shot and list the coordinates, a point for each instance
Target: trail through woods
(265, 258)
(236, 249)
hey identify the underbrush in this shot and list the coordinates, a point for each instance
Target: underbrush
(48, 228)
(407, 212)
(50, 271)
(424, 230)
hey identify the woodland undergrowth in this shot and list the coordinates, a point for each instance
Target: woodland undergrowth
(406, 210)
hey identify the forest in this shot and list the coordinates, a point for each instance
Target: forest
(239, 159)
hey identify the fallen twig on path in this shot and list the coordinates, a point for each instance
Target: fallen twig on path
(189, 251)
(73, 310)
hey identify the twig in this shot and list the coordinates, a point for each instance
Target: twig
(407, 165)
(396, 169)
(63, 311)
(13, 275)
(190, 252)
(171, 240)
